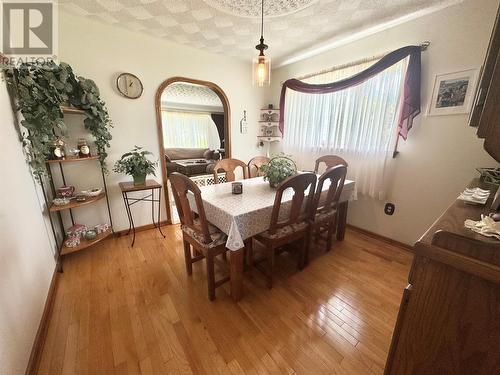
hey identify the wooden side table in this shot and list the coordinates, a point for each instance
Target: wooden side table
(129, 187)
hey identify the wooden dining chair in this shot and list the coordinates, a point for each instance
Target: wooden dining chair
(207, 240)
(255, 164)
(330, 161)
(229, 166)
(324, 213)
(295, 224)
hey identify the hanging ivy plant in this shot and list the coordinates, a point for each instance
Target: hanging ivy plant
(40, 90)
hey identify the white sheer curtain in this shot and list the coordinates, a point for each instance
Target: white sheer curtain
(358, 124)
(189, 130)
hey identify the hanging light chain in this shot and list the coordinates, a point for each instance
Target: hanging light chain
(262, 22)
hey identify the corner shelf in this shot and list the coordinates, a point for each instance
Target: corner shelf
(85, 243)
(67, 209)
(72, 110)
(72, 159)
(75, 204)
(265, 138)
(268, 124)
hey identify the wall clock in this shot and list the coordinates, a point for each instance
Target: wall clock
(129, 85)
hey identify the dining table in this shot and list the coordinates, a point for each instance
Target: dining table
(242, 216)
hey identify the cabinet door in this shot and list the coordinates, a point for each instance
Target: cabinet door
(451, 324)
(397, 329)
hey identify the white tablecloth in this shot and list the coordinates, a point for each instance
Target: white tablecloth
(245, 215)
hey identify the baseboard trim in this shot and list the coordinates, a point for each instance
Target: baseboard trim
(41, 334)
(141, 228)
(388, 240)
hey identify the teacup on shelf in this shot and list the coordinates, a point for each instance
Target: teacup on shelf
(65, 191)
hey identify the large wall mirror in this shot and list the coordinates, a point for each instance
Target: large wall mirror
(193, 128)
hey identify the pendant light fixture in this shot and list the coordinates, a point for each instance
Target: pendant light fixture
(261, 66)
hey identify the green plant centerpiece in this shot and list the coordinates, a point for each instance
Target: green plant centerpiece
(136, 164)
(39, 90)
(278, 169)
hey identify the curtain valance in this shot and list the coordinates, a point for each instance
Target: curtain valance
(410, 101)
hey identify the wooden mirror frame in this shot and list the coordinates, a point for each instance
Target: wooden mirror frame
(227, 128)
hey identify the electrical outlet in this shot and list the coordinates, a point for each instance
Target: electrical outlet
(389, 208)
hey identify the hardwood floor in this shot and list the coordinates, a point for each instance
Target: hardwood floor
(122, 310)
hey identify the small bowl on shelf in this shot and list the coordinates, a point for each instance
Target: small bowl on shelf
(61, 201)
(90, 234)
(81, 198)
(72, 242)
(92, 192)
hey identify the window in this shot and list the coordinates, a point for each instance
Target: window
(189, 130)
(358, 123)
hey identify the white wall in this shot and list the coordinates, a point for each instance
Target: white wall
(441, 153)
(101, 52)
(26, 250)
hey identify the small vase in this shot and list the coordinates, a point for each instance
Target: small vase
(139, 179)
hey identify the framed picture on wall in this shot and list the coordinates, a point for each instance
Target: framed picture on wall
(453, 93)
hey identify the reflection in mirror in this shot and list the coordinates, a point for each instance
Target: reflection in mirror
(194, 127)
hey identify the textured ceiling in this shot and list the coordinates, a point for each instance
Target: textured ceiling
(190, 94)
(232, 27)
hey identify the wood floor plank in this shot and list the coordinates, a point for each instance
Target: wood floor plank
(123, 310)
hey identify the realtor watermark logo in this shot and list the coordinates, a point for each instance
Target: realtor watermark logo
(28, 30)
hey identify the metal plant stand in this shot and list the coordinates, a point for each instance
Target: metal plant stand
(129, 187)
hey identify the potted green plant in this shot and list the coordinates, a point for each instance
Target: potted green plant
(278, 169)
(136, 164)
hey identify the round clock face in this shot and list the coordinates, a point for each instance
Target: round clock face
(129, 85)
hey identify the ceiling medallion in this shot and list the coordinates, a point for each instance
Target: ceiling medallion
(252, 8)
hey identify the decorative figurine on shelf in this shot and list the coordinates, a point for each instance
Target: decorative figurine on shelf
(101, 228)
(77, 230)
(58, 151)
(84, 150)
(136, 164)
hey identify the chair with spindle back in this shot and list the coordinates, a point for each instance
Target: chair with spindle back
(206, 240)
(255, 164)
(295, 226)
(330, 161)
(229, 166)
(325, 211)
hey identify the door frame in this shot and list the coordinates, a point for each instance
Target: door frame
(227, 128)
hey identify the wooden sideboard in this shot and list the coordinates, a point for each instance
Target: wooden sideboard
(449, 318)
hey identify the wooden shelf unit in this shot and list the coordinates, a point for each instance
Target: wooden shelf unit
(68, 208)
(85, 243)
(75, 204)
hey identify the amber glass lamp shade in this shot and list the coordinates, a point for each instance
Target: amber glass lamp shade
(261, 71)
